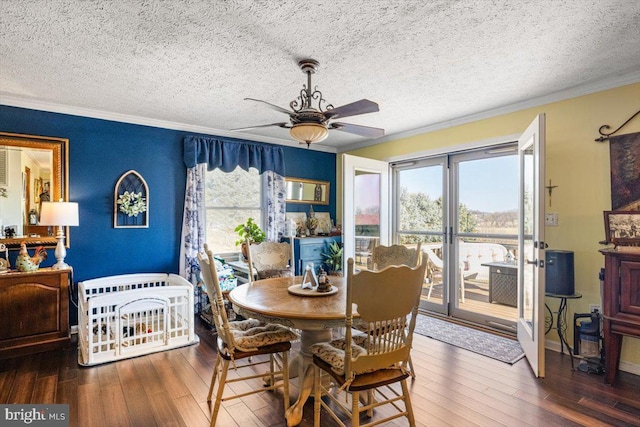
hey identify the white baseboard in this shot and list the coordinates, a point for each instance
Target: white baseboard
(632, 368)
(74, 330)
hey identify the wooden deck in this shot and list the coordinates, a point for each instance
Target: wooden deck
(476, 300)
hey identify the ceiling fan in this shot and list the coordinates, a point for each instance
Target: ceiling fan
(308, 123)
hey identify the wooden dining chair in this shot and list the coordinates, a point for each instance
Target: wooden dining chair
(270, 259)
(242, 340)
(384, 256)
(387, 302)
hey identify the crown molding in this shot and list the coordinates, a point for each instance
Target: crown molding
(51, 107)
(574, 92)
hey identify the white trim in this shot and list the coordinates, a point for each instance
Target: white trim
(632, 368)
(574, 92)
(454, 148)
(144, 121)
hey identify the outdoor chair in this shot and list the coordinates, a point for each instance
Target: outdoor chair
(270, 259)
(435, 268)
(370, 363)
(243, 340)
(384, 256)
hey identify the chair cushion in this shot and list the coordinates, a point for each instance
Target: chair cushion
(243, 325)
(332, 352)
(260, 336)
(266, 274)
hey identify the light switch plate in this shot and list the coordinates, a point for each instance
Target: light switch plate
(551, 219)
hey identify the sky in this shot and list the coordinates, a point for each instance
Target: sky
(487, 185)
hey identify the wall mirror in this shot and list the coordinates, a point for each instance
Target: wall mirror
(300, 190)
(33, 169)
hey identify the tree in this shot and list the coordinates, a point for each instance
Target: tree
(419, 212)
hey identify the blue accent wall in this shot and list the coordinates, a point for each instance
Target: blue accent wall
(100, 151)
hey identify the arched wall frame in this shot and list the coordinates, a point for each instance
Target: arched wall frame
(132, 182)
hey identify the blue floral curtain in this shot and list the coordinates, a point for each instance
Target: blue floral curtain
(193, 233)
(207, 153)
(276, 206)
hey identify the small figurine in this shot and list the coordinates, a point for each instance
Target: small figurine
(24, 262)
(323, 281)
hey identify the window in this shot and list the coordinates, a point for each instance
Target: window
(231, 198)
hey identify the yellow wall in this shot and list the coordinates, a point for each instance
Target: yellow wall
(574, 162)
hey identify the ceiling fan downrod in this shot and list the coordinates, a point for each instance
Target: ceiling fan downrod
(307, 94)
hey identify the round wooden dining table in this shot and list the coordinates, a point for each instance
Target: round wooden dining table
(315, 315)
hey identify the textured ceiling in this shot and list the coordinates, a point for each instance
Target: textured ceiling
(191, 63)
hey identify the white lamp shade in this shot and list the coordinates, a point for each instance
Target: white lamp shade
(59, 213)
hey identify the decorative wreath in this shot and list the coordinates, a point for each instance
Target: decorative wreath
(132, 204)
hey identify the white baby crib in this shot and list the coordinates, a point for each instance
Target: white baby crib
(134, 314)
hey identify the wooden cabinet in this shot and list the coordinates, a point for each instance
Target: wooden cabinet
(34, 311)
(310, 249)
(621, 305)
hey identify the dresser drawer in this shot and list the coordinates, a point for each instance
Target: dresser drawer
(312, 251)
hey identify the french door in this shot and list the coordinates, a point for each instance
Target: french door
(531, 245)
(463, 208)
(478, 216)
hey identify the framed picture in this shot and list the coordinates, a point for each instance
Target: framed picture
(300, 218)
(324, 223)
(622, 227)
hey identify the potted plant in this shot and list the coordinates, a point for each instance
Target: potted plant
(333, 259)
(250, 231)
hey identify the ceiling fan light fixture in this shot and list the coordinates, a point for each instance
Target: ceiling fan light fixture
(308, 133)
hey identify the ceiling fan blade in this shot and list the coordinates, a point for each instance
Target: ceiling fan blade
(273, 106)
(366, 131)
(282, 125)
(359, 107)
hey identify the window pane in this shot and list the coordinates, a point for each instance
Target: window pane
(367, 221)
(230, 198)
(489, 199)
(220, 225)
(235, 189)
(420, 201)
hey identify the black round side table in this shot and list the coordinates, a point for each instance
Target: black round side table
(561, 320)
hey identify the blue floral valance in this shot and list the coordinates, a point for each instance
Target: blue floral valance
(229, 154)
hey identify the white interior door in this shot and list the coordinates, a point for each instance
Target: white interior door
(531, 245)
(365, 207)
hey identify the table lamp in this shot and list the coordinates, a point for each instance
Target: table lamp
(60, 214)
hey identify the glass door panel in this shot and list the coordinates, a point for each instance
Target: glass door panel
(483, 269)
(365, 202)
(420, 217)
(367, 216)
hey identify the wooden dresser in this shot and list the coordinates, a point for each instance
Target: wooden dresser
(621, 305)
(34, 311)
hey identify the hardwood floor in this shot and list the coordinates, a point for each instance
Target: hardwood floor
(454, 387)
